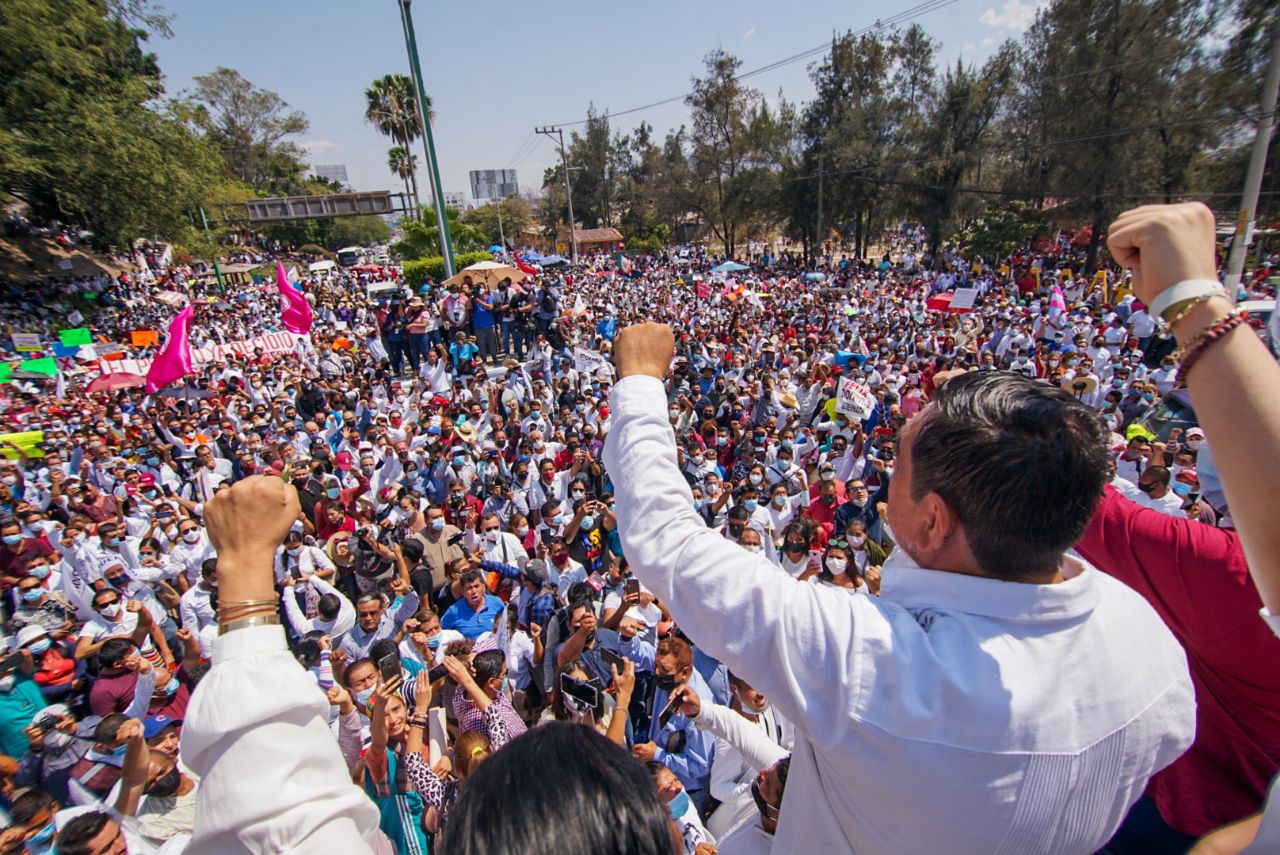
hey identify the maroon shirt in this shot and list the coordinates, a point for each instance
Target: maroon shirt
(1197, 579)
(112, 693)
(13, 562)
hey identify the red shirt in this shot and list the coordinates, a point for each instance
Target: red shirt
(1196, 577)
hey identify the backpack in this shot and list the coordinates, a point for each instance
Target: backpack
(547, 304)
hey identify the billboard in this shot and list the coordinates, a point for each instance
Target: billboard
(493, 184)
(454, 199)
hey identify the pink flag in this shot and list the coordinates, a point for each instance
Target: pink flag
(1057, 303)
(173, 362)
(296, 317)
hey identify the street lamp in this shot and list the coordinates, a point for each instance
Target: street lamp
(433, 168)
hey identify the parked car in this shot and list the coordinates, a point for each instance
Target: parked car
(1173, 411)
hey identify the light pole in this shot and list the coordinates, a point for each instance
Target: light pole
(568, 190)
(433, 169)
(1257, 166)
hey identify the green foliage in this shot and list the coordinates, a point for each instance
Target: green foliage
(358, 231)
(81, 136)
(516, 214)
(1002, 231)
(316, 251)
(421, 238)
(250, 126)
(419, 270)
(391, 106)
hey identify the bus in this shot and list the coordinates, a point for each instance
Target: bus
(349, 256)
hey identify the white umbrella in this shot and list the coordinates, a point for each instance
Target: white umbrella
(488, 272)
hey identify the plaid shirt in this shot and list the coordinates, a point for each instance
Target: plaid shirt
(470, 718)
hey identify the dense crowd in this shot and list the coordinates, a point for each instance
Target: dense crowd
(455, 575)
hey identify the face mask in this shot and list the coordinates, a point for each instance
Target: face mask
(722, 440)
(153, 461)
(437, 524)
(6, 683)
(39, 646)
(793, 547)
(166, 786)
(522, 531)
(1195, 444)
(294, 550)
(755, 550)
(333, 492)
(578, 495)
(755, 478)
(192, 537)
(558, 519)
(39, 572)
(1148, 397)
(12, 539)
(33, 595)
(698, 460)
(434, 641)
(459, 462)
(697, 504)
(1182, 489)
(363, 696)
(491, 536)
(171, 688)
(111, 612)
(751, 505)
(836, 565)
(587, 522)
(679, 805)
(856, 542)
(767, 811)
(665, 682)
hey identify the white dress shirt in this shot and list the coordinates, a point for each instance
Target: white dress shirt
(953, 713)
(271, 775)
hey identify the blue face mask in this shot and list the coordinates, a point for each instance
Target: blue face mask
(587, 522)
(679, 805)
(558, 520)
(751, 505)
(171, 688)
(40, 844)
(459, 462)
(1182, 489)
(153, 461)
(363, 696)
(697, 504)
(333, 492)
(32, 596)
(434, 641)
(12, 539)
(38, 647)
(39, 572)
(437, 524)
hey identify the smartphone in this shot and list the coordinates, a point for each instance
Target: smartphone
(669, 711)
(389, 667)
(583, 692)
(611, 658)
(632, 587)
(13, 660)
(437, 673)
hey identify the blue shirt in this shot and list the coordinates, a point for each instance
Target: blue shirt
(693, 764)
(471, 623)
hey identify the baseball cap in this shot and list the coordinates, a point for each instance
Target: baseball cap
(343, 460)
(155, 725)
(1196, 432)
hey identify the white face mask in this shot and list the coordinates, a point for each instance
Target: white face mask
(191, 537)
(112, 611)
(755, 549)
(836, 565)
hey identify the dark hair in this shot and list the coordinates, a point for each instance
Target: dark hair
(412, 549)
(380, 650)
(346, 673)
(75, 836)
(469, 577)
(595, 798)
(1159, 474)
(26, 806)
(109, 728)
(209, 567)
(488, 665)
(328, 606)
(1020, 463)
(113, 650)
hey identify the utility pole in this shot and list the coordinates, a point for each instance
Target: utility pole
(433, 168)
(568, 189)
(217, 271)
(817, 249)
(502, 236)
(1257, 165)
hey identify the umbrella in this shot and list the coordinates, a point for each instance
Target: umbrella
(496, 248)
(535, 257)
(117, 380)
(554, 261)
(729, 267)
(488, 272)
(814, 277)
(942, 303)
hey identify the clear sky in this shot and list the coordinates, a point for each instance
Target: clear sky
(496, 69)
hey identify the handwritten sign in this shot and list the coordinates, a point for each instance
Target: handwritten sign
(854, 400)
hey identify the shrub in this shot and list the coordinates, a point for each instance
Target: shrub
(419, 270)
(316, 251)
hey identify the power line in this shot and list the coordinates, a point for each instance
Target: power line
(519, 151)
(899, 18)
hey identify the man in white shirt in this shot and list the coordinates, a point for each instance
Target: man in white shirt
(1155, 492)
(913, 732)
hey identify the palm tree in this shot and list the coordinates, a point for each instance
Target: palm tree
(403, 163)
(392, 108)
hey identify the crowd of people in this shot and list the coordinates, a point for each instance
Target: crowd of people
(520, 578)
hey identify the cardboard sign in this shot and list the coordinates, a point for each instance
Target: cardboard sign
(854, 400)
(75, 318)
(963, 298)
(29, 441)
(143, 338)
(587, 361)
(27, 342)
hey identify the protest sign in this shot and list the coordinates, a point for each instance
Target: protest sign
(963, 298)
(854, 400)
(75, 318)
(27, 342)
(76, 337)
(28, 441)
(587, 361)
(271, 344)
(143, 338)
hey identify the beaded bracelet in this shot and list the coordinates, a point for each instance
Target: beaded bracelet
(1186, 308)
(1195, 348)
(417, 721)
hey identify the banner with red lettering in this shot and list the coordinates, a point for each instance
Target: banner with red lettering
(271, 344)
